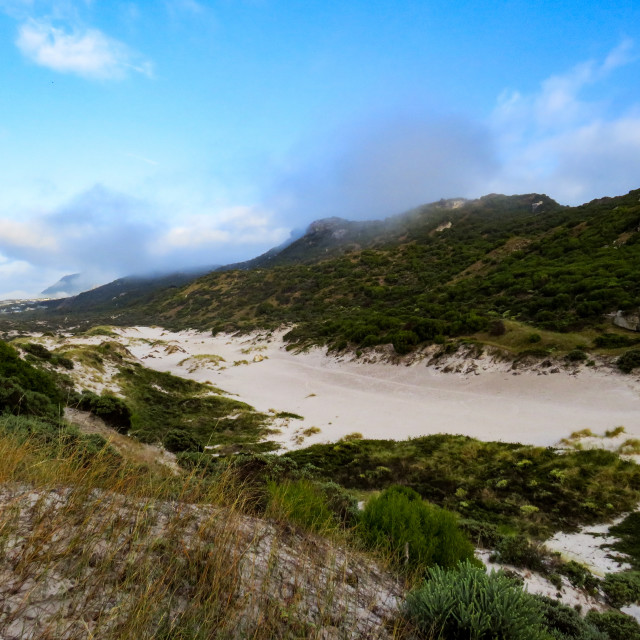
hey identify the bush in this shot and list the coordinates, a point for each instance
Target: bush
(579, 576)
(415, 533)
(302, 502)
(566, 623)
(179, 440)
(616, 625)
(37, 350)
(343, 504)
(497, 328)
(114, 411)
(19, 401)
(61, 439)
(520, 552)
(62, 361)
(26, 376)
(576, 355)
(622, 588)
(629, 361)
(469, 604)
(614, 341)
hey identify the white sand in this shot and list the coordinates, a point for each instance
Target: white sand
(538, 584)
(393, 401)
(586, 547)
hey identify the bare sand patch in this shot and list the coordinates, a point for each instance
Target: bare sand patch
(380, 400)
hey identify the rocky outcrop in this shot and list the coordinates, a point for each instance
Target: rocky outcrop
(628, 320)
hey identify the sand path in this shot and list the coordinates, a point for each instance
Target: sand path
(393, 401)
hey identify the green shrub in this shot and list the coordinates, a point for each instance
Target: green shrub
(627, 533)
(19, 401)
(343, 504)
(58, 437)
(37, 350)
(415, 533)
(579, 576)
(302, 502)
(26, 376)
(622, 588)
(615, 624)
(614, 341)
(629, 361)
(113, 410)
(62, 361)
(520, 552)
(565, 623)
(179, 440)
(576, 355)
(469, 604)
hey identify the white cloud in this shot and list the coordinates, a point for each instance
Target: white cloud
(88, 53)
(20, 234)
(620, 56)
(559, 142)
(231, 227)
(106, 235)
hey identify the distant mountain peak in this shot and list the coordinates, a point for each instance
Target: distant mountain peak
(69, 285)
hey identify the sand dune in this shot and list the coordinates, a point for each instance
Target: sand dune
(381, 400)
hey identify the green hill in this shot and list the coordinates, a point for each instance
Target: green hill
(448, 269)
(438, 271)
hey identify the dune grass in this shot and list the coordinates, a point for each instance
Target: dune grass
(102, 548)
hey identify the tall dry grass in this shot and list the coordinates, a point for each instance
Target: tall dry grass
(100, 548)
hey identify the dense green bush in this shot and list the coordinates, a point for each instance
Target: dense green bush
(629, 361)
(627, 534)
(576, 355)
(300, 501)
(413, 532)
(16, 400)
(615, 624)
(579, 576)
(62, 439)
(113, 410)
(622, 588)
(614, 341)
(487, 481)
(519, 551)
(469, 604)
(25, 376)
(179, 440)
(37, 350)
(565, 623)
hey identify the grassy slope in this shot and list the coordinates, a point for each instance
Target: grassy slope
(529, 488)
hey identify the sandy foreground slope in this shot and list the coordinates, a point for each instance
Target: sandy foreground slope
(382, 400)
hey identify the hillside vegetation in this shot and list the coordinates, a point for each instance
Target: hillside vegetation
(441, 271)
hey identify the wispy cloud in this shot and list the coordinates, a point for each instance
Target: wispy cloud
(88, 53)
(154, 163)
(560, 141)
(109, 234)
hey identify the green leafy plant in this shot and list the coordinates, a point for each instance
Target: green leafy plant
(413, 532)
(469, 604)
(629, 361)
(622, 588)
(616, 625)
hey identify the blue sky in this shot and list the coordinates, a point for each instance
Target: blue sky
(139, 136)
